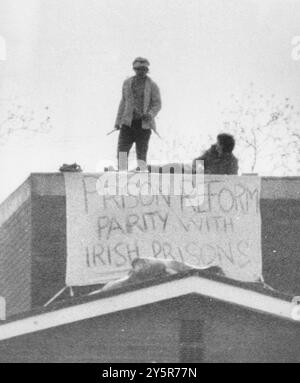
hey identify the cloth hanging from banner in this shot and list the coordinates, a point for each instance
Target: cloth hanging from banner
(105, 232)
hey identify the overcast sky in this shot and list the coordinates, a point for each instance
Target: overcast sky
(73, 55)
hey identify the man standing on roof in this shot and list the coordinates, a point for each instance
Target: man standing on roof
(139, 106)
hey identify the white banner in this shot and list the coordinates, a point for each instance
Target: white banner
(105, 232)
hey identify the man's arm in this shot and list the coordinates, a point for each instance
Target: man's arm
(235, 166)
(121, 108)
(155, 101)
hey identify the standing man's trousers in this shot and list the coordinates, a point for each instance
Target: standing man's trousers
(127, 137)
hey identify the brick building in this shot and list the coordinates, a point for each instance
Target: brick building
(33, 239)
(192, 316)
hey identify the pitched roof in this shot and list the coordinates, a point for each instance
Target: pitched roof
(252, 296)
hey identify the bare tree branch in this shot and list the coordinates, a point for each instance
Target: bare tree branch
(265, 128)
(18, 118)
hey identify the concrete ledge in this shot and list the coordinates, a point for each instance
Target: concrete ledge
(280, 188)
(53, 184)
(271, 188)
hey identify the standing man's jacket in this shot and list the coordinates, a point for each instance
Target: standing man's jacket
(152, 104)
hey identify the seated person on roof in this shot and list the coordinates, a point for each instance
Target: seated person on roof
(219, 158)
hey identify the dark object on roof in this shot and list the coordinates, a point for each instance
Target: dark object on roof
(70, 168)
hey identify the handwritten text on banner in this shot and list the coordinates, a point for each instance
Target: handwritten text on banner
(104, 233)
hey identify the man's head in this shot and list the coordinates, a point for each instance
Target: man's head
(225, 143)
(138, 265)
(141, 66)
(146, 267)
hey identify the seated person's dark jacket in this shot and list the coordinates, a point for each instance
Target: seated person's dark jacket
(226, 163)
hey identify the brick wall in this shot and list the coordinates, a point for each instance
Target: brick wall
(281, 244)
(235, 334)
(48, 247)
(15, 260)
(153, 334)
